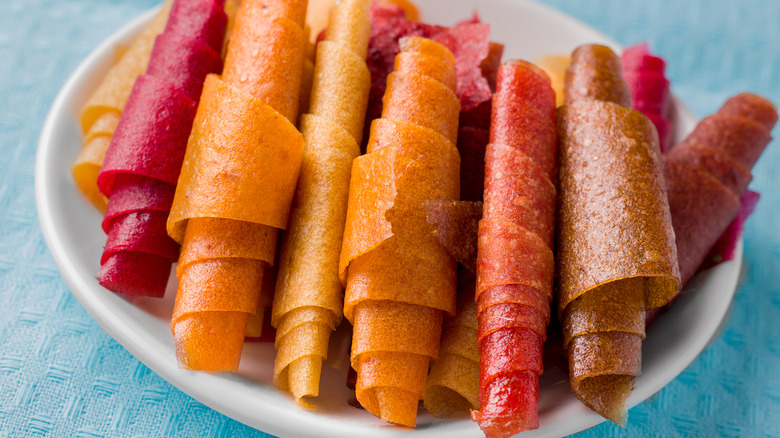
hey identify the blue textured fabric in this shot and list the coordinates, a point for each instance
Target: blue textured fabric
(61, 375)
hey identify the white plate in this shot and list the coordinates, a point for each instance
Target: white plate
(73, 233)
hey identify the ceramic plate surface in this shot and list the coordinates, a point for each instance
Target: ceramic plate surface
(72, 230)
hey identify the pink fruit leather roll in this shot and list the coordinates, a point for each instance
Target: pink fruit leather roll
(645, 76)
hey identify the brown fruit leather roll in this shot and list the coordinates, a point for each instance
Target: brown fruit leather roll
(514, 253)
(709, 171)
(615, 245)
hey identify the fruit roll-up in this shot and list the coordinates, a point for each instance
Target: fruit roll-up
(555, 66)
(452, 387)
(515, 264)
(237, 183)
(708, 172)
(399, 279)
(101, 113)
(143, 160)
(646, 79)
(308, 301)
(615, 245)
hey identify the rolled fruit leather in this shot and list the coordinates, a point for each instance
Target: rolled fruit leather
(142, 163)
(237, 183)
(453, 383)
(708, 172)
(616, 255)
(646, 79)
(309, 298)
(101, 113)
(399, 279)
(452, 387)
(515, 264)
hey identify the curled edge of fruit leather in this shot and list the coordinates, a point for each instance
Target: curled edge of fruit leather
(615, 236)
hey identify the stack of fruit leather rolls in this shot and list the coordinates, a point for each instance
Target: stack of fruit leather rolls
(101, 113)
(515, 264)
(708, 173)
(399, 279)
(142, 163)
(308, 302)
(237, 184)
(616, 254)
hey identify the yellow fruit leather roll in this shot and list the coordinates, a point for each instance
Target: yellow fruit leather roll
(237, 184)
(616, 255)
(309, 298)
(100, 114)
(453, 383)
(400, 281)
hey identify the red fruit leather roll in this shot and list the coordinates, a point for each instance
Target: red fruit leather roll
(144, 159)
(708, 173)
(201, 20)
(183, 63)
(515, 264)
(615, 245)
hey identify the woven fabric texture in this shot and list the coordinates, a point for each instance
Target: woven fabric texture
(61, 375)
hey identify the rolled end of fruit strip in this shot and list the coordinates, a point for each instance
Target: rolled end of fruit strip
(453, 383)
(515, 249)
(100, 115)
(740, 129)
(607, 250)
(649, 87)
(709, 172)
(114, 89)
(148, 146)
(555, 66)
(87, 165)
(243, 148)
(594, 74)
(399, 279)
(253, 62)
(309, 299)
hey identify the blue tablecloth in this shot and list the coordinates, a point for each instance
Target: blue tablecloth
(61, 375)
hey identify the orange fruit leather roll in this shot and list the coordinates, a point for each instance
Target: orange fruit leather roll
(309, 298)
(616, 254)
(237, 183)
(515, 264)
(100, 114)
(399, 279)
(555, 66)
